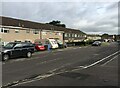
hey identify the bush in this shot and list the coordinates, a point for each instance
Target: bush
(89, 42)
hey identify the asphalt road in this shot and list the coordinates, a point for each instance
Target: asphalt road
(77, 66)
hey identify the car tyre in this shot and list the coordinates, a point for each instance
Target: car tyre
(6, 57)
(29, 54)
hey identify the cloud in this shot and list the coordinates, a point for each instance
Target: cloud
(90, 17)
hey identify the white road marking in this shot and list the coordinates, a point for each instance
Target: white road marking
(96, 54)
(110, 60)
(99, 60)
(52, 72)
(60, 67)
(61, 71)
(40, 77)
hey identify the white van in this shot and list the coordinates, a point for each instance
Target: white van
(53, 43)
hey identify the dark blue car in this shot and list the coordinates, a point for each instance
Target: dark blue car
(17, 49)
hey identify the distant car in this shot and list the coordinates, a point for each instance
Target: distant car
(96, 43)
(17, 49)
(39, 47)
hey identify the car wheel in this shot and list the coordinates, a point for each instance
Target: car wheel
(29, 54)
(5, 57)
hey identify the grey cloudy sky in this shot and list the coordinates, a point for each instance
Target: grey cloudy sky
(89, 17)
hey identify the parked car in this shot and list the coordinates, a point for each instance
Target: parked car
(44, 42)
(39, 47)
(96, 43)
(17, 49)
(61, 44)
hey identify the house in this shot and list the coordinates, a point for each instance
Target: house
(93, 37)
(12, 29)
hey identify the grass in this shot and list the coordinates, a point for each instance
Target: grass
(105, 43)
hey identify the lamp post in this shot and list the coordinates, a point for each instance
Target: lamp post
(40, 33)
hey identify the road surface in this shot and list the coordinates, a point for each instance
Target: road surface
(77, 66)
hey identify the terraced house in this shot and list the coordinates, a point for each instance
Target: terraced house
(15, 29)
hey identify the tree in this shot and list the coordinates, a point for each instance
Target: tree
(105, 36)
(57, 23)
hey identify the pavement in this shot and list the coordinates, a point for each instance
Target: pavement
(77, 66)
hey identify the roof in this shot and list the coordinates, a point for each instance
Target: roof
(6, 21)
(93, 35)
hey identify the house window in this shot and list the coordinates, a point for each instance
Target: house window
(5, 30)
(69, 35)
(75, 35)
(1, 29)
(35, 31)
(50, 32)
(17, 30)
(28, 31)
(44, 33)
(59, 33)
(55, 33)
(65, 34)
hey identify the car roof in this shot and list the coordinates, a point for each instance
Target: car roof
(21, 42)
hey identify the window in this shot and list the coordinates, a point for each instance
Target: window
(28, 31)
(56, 33)
(59, 33)
(35, 31)
(75, 35)
(17, 46)
(65, 34)
(69, 35)
(17, 30)
(5, 30)
(50, 32)
(1, 29)
(52, 42)
(9, 45)
(44, 33)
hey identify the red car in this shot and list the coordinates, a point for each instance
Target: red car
(39, 47)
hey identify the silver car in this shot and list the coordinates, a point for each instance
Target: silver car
(96, 43)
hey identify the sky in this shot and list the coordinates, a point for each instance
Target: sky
(89, 17)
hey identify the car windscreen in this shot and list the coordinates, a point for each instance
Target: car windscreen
(9, 45)
(97, 42)
(59, 42)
